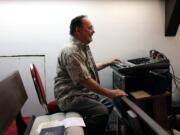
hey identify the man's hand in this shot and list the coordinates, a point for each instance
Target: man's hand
(117, 93)
(114, 61)
(91, 84)
(101, 66)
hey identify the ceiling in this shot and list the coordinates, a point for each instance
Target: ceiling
(172, 17)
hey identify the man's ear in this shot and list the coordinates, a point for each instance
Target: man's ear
(78, 29)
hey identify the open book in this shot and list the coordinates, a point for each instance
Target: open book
(56, 122)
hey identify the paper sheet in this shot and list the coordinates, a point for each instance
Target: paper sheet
(74, 121)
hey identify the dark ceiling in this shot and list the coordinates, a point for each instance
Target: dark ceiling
(172, 17)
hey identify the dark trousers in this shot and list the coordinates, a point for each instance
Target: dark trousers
(95, 113)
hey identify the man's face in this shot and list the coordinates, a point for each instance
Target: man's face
(86, 31)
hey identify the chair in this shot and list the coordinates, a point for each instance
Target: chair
(19, 125)
(14, 97)
(50, 107)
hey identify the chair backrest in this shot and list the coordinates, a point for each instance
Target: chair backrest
(38, 86)
(13, 97)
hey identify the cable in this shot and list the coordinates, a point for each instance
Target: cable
(154, 54)
(175, 79)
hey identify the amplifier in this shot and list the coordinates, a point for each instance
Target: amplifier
(153, 82)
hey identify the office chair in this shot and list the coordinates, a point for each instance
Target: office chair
(50, 107)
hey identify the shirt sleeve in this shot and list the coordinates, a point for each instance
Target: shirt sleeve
(77, 68)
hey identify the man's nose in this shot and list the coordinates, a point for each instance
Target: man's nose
(93, 31)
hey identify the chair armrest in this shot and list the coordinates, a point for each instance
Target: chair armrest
(29, 126)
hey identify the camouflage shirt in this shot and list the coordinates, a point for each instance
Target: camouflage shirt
(75, 63)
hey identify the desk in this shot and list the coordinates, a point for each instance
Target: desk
(159, 105)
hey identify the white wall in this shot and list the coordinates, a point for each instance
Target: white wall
(124, 29)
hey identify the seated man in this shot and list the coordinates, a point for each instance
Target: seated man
(77, 85)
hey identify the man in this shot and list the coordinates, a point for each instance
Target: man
(77, 85)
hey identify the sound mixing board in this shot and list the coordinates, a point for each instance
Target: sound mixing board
(141, 65)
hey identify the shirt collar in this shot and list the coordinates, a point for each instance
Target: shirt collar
(79, 43)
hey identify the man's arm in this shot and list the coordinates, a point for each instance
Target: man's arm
(101, 66)
(94, 86)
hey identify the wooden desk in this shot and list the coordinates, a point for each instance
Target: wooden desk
(159, 105)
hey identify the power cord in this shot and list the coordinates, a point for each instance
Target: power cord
(175, 79)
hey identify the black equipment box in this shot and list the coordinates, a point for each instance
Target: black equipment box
(149, 82)
(150, 74)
